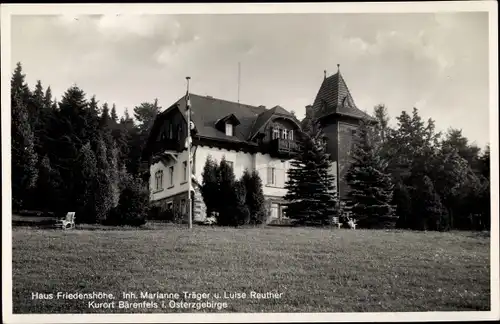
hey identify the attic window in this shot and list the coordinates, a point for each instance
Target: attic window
(229, 129)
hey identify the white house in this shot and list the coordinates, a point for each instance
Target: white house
(248, 137)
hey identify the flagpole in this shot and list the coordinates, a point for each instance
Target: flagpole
(189, 170)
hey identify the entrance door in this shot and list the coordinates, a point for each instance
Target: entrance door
(275, 211)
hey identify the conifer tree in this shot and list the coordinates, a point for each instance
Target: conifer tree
(402, 201)
(104, 118)
(310, 187)
(370, 185)
(47, 188)
(254, 198)
(24, 158)
(85, 170)
(210, 186)
(427, 204)
(238, 205)
(227, 183)
(103, 192)
(113, 115)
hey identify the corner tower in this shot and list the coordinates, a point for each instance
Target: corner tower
(339, 116)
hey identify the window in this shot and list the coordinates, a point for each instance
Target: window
(229, 129)
(275, 133)
(184, 168)
(271, 175)
(170, 128)
(171, 176)
(284, 134)
(290, 134)
(159, 180)
(170, 206)
(353, 132)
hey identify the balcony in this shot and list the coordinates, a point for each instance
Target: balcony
(283, 147)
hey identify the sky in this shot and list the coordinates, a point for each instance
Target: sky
(437, 63)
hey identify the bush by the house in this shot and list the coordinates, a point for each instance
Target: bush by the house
(132, 207)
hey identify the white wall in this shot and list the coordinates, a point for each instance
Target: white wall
(178, 182)
(240, 160)
(259, 162)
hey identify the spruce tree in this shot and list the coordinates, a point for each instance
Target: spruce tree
(103, 190)
(113, 115)
(210, 186)
(85, 173)
(402, 201)
(254, 198)
(310, 187)
(47, 188)
(227, 195)
(104, 118)
(427, 204)
(241, 210)
(24, 158)
(370, 185)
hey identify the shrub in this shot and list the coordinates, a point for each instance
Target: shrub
(132, 206)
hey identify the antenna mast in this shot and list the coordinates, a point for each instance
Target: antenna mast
(239, 80)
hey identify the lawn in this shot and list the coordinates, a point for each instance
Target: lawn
(312, 270)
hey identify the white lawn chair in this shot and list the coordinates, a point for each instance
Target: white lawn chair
(210, 220)
(336, 221)
(67, 222)
(352, 223)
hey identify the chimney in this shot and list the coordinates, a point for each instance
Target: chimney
(262, 106)
(309, 111)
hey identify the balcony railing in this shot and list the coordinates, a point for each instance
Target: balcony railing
(280, 145)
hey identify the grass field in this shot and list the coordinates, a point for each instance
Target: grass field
(315, 270)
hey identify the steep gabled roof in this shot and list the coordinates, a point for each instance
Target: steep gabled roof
(206, 111)
(334, 97)
(265, 117)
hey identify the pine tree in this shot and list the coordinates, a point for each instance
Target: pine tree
(240, 209)
(427, 204)
(19, 87)
(370, 185)
(85, 174)
(47, 188)
(104, 118)
(24, 158)
(254, 198)
(382, 127)
(114, 173)
(103, 190)
(227, 183)
(114, 116)
(210, 186)
(310, 187)
(402, 201)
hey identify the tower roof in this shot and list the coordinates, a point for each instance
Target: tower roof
(334, 97)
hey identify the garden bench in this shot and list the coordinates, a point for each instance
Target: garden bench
(67, 222)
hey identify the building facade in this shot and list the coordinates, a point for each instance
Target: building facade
(248, 137)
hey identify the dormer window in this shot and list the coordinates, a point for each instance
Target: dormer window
(227, 124)
(229, 129)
